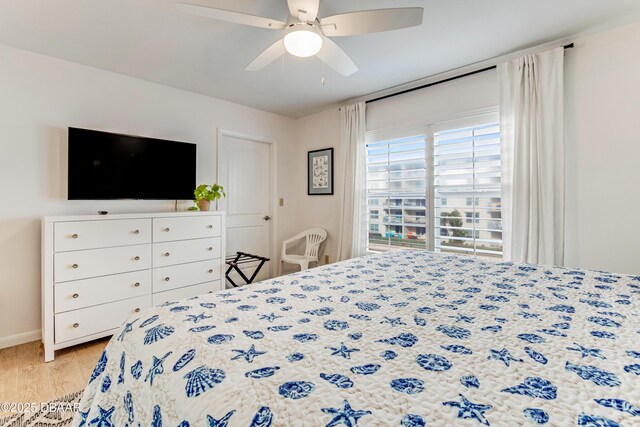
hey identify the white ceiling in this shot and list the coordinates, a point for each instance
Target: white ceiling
(151, 40)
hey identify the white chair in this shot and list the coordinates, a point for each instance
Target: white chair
(314, 237)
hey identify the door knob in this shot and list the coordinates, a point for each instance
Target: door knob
(266, 217)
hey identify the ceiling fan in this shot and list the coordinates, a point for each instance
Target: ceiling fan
(306, 35)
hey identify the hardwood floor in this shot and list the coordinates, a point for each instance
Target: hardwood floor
(25, 377)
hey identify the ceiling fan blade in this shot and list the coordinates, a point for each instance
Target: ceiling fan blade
(371, 21)
(230, 16)
(269, 55)
(336, 58)
(305, 10)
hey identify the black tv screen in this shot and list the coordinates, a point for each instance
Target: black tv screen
(106, 165)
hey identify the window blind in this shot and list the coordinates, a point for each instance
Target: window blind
(396, 193)
(467, 191)
(436, 187)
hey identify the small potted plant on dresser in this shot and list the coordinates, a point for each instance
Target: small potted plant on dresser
(205, 194)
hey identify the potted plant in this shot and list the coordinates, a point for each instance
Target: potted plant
(205, 194)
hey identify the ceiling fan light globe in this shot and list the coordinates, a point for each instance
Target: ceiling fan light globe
(302, 42)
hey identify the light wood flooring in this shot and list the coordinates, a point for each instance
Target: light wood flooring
(25, 377)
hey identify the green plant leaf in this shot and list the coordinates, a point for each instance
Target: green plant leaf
(208, 192)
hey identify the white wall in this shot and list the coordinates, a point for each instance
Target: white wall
(602, 93)
(39, 98)
(321, 130)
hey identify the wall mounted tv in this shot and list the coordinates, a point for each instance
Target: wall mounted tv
(105, 166)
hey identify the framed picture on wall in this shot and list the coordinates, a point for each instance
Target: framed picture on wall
(320, 172)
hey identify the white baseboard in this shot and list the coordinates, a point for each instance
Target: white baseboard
(22, 338)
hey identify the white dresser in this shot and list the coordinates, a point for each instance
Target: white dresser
(99, 270)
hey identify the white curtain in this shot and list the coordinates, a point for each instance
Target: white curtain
(353, 233)
(532, 139)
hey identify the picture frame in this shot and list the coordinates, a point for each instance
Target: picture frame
(320, 172)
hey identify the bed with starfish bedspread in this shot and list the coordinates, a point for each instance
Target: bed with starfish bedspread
(398, 339)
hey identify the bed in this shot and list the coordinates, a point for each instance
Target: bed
(398, 339)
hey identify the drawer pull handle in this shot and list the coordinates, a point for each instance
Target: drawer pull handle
(167, 254)
(75, 236)
(167, 229)
(210, 226)
(75, 295)
(137, 310)
(75, 266)
(75, 325)
(166, 279)
(210, 248)
(136, 231)
(137, 284)
(137, 258)
(210, 270)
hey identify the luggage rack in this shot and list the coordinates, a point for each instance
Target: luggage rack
(235, 261)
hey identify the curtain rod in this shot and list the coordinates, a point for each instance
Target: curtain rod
(471, 73)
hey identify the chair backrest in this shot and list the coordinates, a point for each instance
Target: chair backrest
(315, 236)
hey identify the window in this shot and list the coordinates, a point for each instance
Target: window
(396, 185)
(439, 190)
(467, 174)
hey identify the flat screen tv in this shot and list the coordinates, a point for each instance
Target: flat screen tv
(106, 166)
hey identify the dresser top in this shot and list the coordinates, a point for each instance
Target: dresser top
(47, 219)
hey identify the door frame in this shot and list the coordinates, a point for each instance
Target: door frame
(273, 186)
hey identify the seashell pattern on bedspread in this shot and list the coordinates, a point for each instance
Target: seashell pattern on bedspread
(398, 339)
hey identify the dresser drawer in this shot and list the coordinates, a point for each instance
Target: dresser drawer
(88, 292)
(178, 276)
(79, 235)
(186, 292)
(171, 253)
(183, 228)
(87, 321)
(100, 262)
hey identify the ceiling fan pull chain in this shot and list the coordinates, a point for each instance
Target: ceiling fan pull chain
(322, 62)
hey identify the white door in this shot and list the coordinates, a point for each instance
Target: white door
(244, 169)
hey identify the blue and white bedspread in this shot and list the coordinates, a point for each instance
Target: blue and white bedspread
(400, 339)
